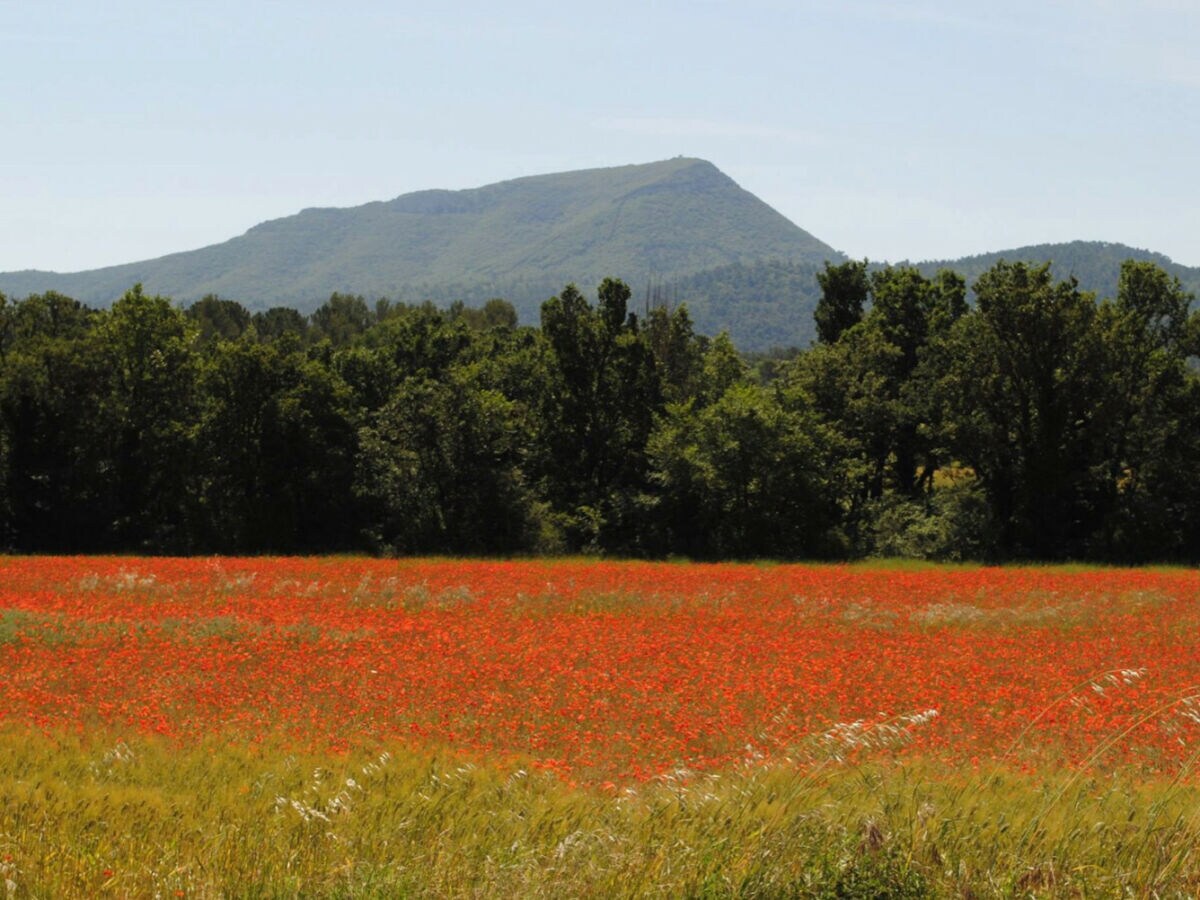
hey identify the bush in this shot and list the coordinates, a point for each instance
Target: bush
(953, 524)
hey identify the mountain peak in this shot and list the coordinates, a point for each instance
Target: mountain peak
(522, 239)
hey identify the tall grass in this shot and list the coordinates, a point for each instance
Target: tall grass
(148, 818)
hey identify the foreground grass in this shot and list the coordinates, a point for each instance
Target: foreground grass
(150, 818)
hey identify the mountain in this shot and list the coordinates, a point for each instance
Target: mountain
(521, 240)
(1095, 264)
(763, 305)
(770, 303)
(678, 230)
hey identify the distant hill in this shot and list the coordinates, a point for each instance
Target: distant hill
(521, 240)
(769, 304)
(763, 305)
(677, 231)
(1095, 264)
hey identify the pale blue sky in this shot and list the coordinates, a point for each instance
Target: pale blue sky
(918, 130)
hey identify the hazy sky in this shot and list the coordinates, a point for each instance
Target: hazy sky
(892, 130)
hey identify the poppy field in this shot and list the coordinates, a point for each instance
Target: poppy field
(196, 727)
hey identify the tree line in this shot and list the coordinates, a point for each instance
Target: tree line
(1036, 422)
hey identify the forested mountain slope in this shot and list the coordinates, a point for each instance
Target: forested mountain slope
(521, 240)
(678, 231)
(1095, 264)
(770, 303)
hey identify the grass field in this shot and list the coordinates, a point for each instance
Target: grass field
(350, 727)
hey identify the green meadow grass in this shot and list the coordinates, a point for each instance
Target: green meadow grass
(150, 818)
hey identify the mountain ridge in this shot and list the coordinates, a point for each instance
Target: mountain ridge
(527, 236)
(769, 304)
(680, 227)
(1096, 264)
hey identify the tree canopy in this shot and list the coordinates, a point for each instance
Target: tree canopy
(1038, 422)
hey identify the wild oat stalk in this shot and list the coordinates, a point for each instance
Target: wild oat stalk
(1187, 696)
(1113, 677)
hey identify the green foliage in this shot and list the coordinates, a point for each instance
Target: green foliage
(341, 319)
(1038, 423)
(1068, 409)
(1022, 381)
(147, 349)
(59, 486)
(844, 290)
(276, 447)
(438, 469)
(874, 875)
(744, 477)
(274, 323)
(862, 379)
(953, 524)
(219, 319)
(677, 352)
(596, 415)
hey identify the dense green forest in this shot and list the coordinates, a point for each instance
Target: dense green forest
(1025, 419)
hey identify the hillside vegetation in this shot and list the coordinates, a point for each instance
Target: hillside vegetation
(1096, 265)
(678, 231)
(770, 303)
(520, 240)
